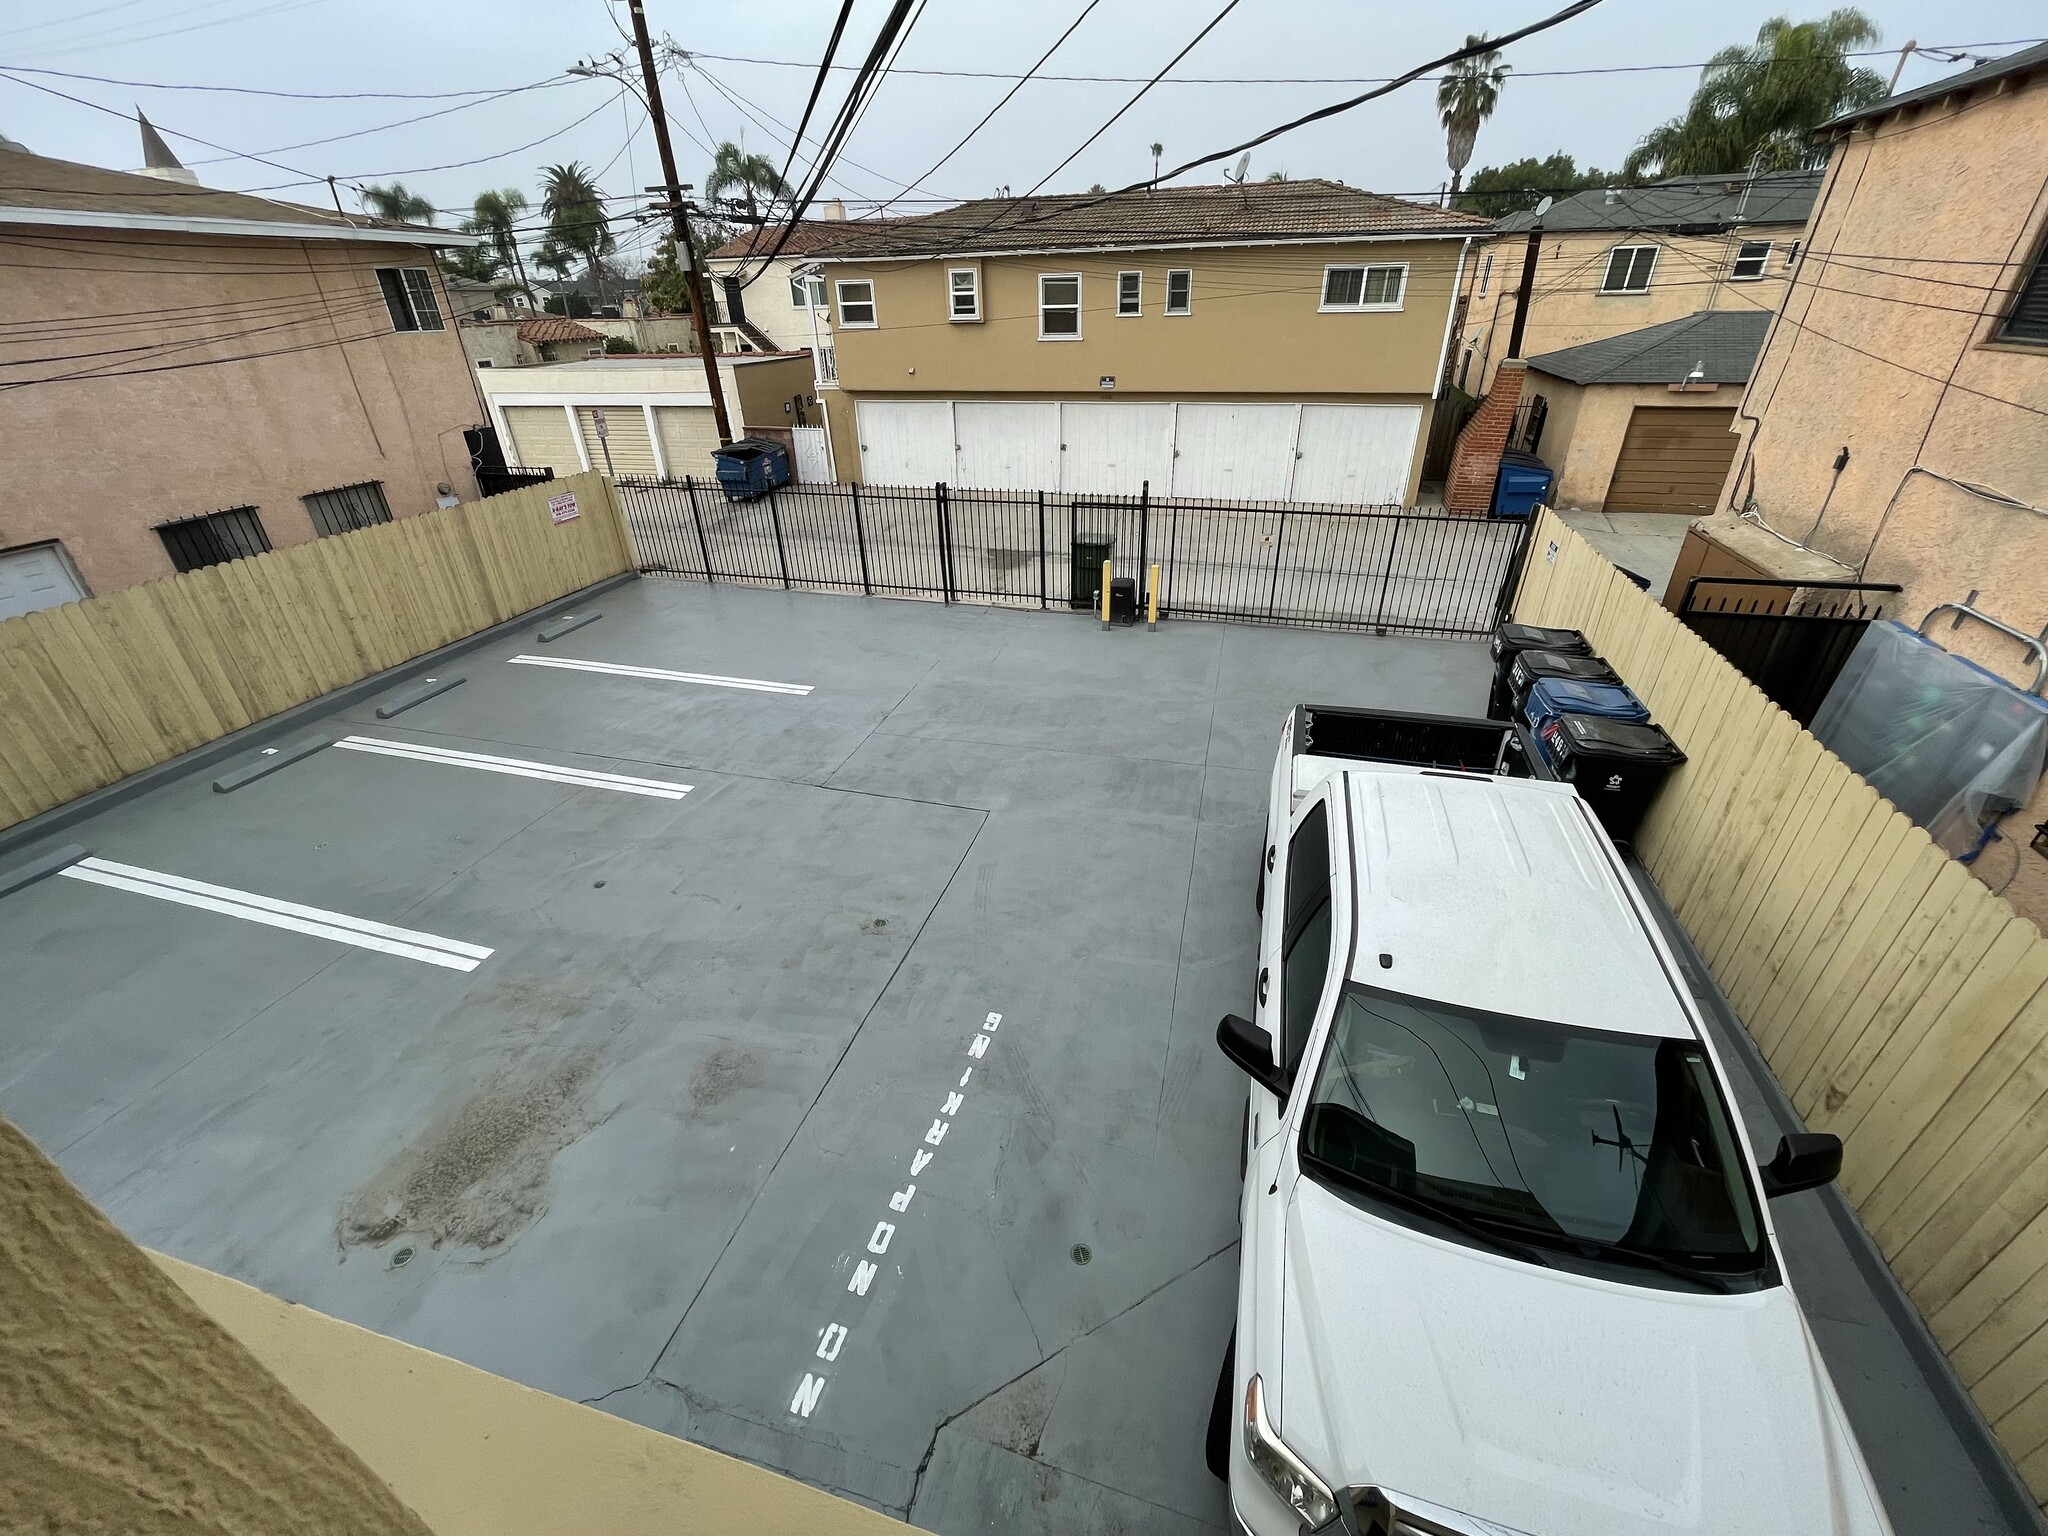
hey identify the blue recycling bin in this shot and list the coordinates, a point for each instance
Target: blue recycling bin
(750, 467)
(1521, 486)
(1551, 697)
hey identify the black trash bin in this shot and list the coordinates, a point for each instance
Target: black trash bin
(1531, 667)
(1509, 641)
(1617, 766)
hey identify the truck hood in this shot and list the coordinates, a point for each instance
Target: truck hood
(1555, 1403)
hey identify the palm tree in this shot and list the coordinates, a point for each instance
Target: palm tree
(575, 214)
(394, 202)
(734, 170)
(1465, 98)
(1757, 106)
(496, 214)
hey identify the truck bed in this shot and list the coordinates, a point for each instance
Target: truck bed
(1446, 743)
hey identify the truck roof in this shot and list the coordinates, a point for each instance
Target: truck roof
(1501, 894)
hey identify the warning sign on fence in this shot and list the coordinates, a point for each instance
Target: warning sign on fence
(563, 507)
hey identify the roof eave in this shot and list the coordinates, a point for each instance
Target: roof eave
(952, 253)
(261, 229)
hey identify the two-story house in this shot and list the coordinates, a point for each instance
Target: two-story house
(770, 287)
(1273, 341)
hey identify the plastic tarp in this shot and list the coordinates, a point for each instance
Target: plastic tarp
(1951, 745)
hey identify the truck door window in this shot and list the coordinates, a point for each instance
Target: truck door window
(1305, 940)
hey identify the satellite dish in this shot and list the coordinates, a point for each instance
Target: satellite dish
(1244, 165)
(1542, 208)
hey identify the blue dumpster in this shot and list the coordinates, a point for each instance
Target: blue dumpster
(750, 467)
(1550, 697)
(1523, 482)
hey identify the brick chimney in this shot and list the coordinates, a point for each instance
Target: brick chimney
(1475, 460)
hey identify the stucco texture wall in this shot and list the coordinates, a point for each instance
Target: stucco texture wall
(266, 369)
(765, 387)
(1691, 274)
(1888, 347)
(1583, 433)
(1254, 327)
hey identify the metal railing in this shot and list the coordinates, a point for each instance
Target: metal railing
(509, 477)
(1380, 568)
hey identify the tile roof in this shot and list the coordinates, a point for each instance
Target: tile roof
(82, 194)
(1721, 343)
(807, 239)
(1681, 203)
(1969, 79)
(554, 328)
(1166, 216)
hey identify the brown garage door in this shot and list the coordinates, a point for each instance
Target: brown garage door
(1673, 459)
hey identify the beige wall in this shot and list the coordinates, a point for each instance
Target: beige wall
(1583, 433)
(1691, 274)
(763, 389)
(498, 343)
(281, 409)
(769, 306)
(1254, 330)
(1887, 348)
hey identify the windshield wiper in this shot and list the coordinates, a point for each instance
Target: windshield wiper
(1622, 1252)
(1429, 1209)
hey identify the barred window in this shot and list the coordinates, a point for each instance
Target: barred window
(347, 508)
(214, 538)
(409, 295)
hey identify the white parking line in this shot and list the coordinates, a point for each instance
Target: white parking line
(339, 926)
(659, 674)
(585, 778)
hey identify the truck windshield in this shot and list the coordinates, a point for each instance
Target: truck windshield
(1614, 1147)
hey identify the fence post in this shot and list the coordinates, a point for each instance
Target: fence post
(1144, 521)
(1518, 559)
(781, 554)
(1387, 579)
(1041, 549)
(860, 540)
(697, 517)
(1273, 593)
(945, 542)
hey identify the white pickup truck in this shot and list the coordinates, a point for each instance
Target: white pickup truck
(1507, 1262)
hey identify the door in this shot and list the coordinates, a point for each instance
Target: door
(626, 441)
(813, 462)
(689, 437)
(1007, 445)
(35, 578)
(1355, 454)
(541, 438)
(1240, 451)
(1672, 459)
(1113, 449)
(905, 442)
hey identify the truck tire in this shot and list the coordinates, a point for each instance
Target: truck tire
(1217, 1449)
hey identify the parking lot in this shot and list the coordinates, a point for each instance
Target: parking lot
(800, 1041)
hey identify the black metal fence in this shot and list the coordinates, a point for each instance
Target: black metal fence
(1790, 638)
(1380, 568)
(510, 477)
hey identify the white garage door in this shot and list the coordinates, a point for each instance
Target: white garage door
(1114, 449)
(689, 436)
(542, 439)
(36, 578)
(1235, 451)
(1006, 445)
(906, 442)
(1355, 453)
(626, 439)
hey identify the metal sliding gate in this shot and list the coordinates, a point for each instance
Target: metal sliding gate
(1378, 568)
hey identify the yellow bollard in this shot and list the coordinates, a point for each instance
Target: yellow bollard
(1152, 601)
(1106, 577)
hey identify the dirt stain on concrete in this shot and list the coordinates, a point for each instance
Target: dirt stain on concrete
(720, 1075)
(478, 1175)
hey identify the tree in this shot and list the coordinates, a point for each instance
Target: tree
(1495, 190)
(478, 263)
(575, 214)
(496, 214)
(734, 170)
(1465, 98)
(394, 202)
(1276, 175)
(1757, 106)
(663, 285)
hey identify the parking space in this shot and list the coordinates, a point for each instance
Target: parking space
(833, 1081)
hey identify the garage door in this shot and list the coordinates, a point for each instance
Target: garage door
(36, 578)
(1006, 445)
(905, 442)
(1115, 449)
(1357, 454)
(631, 450)
(689, 436)
(1673, 459)
(541, 440)
(1235, 451)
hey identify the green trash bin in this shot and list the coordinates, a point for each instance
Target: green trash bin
(1086, 581)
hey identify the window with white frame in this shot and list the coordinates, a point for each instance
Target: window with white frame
(1628, 269)
(1750, 259)
(1130, 293)
(807, 291)
(1059, 306)
(1180, 292)
(409, 295)
(963, 293)
(856, 303)
(1378, 287)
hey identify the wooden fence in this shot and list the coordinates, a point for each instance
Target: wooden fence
(1901, 1004)
(91, 692)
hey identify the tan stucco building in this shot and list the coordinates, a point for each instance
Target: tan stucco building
(192, 375)
(1274, 341)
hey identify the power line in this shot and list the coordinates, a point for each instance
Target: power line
(796, 136)
(403, 122)
(251, 90)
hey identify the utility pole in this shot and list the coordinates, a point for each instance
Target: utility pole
(686, 247)
(1526, 287)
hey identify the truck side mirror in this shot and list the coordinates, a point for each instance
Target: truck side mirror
(1805, 1160)
(1251, 1048)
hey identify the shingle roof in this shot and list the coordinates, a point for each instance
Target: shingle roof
(1722, 343)
(1166, 216)
(1969, 79)
(554, 328)
(807, 239)
(91, 194)
(1682, 202)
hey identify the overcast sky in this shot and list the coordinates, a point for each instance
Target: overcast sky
(1392, 145)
